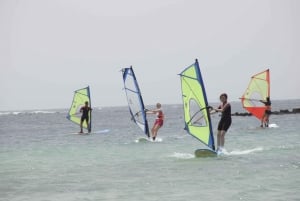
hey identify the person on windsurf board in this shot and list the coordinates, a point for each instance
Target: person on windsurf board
(265, 118)
(85, 116)
(225, 121)
(159, 121)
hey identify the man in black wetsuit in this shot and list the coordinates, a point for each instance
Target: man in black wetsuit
(85, 116)
(225, 121)
(265, 118)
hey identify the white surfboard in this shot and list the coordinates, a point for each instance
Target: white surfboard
(273, 125)
(145, 139)
(91, 133)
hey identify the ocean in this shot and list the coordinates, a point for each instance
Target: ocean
(43, 159)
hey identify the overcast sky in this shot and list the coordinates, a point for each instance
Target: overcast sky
(50, 48)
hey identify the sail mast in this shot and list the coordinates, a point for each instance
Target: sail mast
(212, 144)
(90, 112)
(196, 109)
(135, 100)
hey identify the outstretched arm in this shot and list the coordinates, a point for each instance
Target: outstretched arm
(219, 109)
(213, 111)
(262, 101)
(150, 111)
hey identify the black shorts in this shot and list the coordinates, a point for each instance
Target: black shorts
(224, 124)
(84, 118)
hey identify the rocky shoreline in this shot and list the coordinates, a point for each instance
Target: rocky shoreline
(280, 112)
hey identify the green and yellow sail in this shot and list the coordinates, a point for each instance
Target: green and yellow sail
(79, 99)
(196, 109)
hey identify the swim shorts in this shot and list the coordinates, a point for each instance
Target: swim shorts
(85, 118)
(159, 122)
(224, 124)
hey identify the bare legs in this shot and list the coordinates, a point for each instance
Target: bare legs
(87, 123)
(221, 139)
(154, 130)
(265, 121)
(81, 131)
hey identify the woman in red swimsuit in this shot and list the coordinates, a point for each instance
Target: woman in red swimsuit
(159, 121)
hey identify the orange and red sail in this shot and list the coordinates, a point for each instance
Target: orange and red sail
(258, 90)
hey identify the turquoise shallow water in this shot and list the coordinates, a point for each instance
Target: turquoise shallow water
(42, 159)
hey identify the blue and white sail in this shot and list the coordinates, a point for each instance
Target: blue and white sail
(135, 100)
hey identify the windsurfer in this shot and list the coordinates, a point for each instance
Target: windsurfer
(159, 121)
(85, 116)
(265, 118)
(224, 122)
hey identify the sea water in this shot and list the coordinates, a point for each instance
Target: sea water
(41, 159)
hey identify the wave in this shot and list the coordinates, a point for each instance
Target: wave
(27, 112)
(145, 139)
(273, 126)
(243, 152)
(42, 112)
(102, 131)
(182, 155)
(226, 153)
(9, 113)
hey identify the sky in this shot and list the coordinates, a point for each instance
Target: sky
(50, 48)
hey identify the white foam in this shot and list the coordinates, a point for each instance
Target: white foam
(27, 112)
(42, 112)
(5, 113)
(144, 139)
(273, 126)
(182, 155)
(157, 140)
(102, 131)
(10, 113)
(243, 152)
(222, 152)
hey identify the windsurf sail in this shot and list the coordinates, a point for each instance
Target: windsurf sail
(135, 100)
(79, 99)
(257, 90)
(196, 109)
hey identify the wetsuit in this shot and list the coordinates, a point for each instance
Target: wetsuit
(85, 113)
(225, 121)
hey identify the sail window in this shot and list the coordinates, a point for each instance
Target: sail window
(196, 114)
